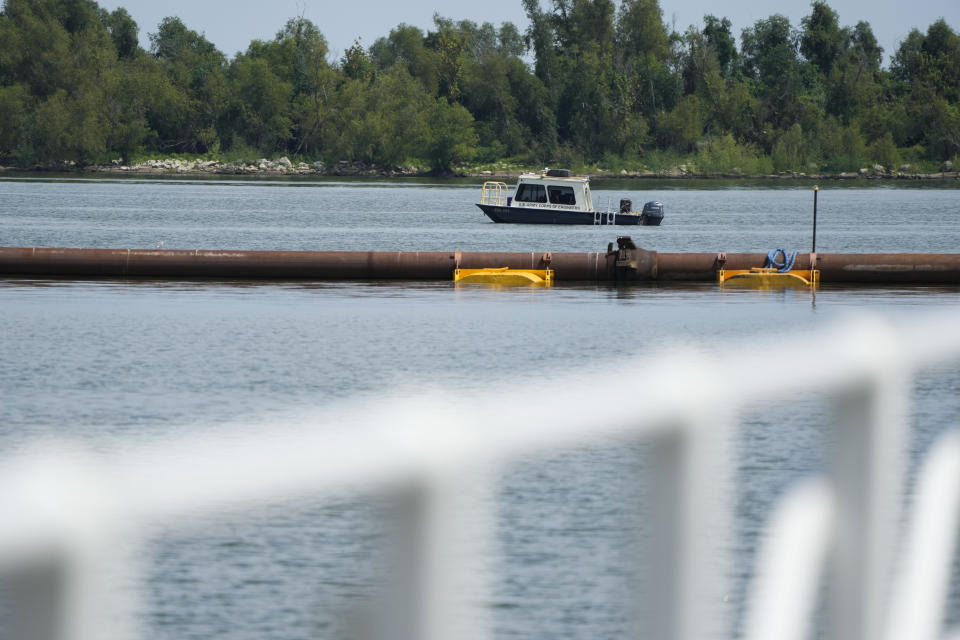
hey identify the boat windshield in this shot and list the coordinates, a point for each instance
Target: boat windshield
(562, 195)
(531, 193)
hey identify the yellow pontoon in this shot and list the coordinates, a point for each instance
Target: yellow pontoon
(505, 276)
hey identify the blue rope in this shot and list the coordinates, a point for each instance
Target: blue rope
(781, 266)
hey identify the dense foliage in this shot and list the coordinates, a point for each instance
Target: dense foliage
(589, 81)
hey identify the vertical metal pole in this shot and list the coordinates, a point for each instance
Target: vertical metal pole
(813, 249)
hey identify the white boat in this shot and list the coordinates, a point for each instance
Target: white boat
(555, 196)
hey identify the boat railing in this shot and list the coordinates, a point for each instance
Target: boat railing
(609, 216)
(66, 515)
(494, 193)
(606, 216)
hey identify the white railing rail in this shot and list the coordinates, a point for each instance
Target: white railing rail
(64, 517)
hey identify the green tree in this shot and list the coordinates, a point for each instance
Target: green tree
(641, 33)
(489, 96)
(822, 41)
(450, 139)
(592, 92)
(789, 90)
(770, 56)
(196, 69)
(643, 46)
(927, 70)
(263, 104)
(791, 151)
(69, 128)
(383, 122)
(682, 127)
(719, 37)
(864, 48)
(123, 33)
(356, 63)
(541, 39)
(15, 109)
(855, 81)
(302, 78)
(405, 45)
(942, 127)
(512, 112)
(53, 63)
(728, 103)
(583, 25)
(884, 151)
(37, 46)
(132, 91)
(449, 44)
(931, 60)
(842, 146)
(723, 154)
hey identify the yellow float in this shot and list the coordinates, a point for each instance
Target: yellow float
(769, 277)
(505, 276)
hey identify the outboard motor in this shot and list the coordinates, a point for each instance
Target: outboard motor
(652, 214)
(626, 206)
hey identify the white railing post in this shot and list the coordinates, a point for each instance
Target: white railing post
(72, 557)
(439, 533)
(922, 584)
(32, 594)
(867, 473)
(100, 569)
(690, 482)
(790, 564)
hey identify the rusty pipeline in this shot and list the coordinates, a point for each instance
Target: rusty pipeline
(624, 262)
(281, 265)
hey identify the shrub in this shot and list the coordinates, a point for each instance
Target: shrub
(884, 151)
(844, 149)
(790, 151)
(726, 155)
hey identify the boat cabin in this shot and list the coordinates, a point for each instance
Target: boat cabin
(552, 189)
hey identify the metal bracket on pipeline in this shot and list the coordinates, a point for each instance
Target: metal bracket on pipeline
(629, 262)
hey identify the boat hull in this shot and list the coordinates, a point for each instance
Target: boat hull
(523, 215)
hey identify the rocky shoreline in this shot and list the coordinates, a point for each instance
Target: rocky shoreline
(284, 167)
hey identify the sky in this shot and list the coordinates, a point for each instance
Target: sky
(232, 24)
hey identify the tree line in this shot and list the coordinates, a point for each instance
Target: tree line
(589, 81)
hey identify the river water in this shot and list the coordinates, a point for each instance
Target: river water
(112, 362)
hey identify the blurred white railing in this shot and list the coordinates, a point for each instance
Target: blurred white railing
(64, 518)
